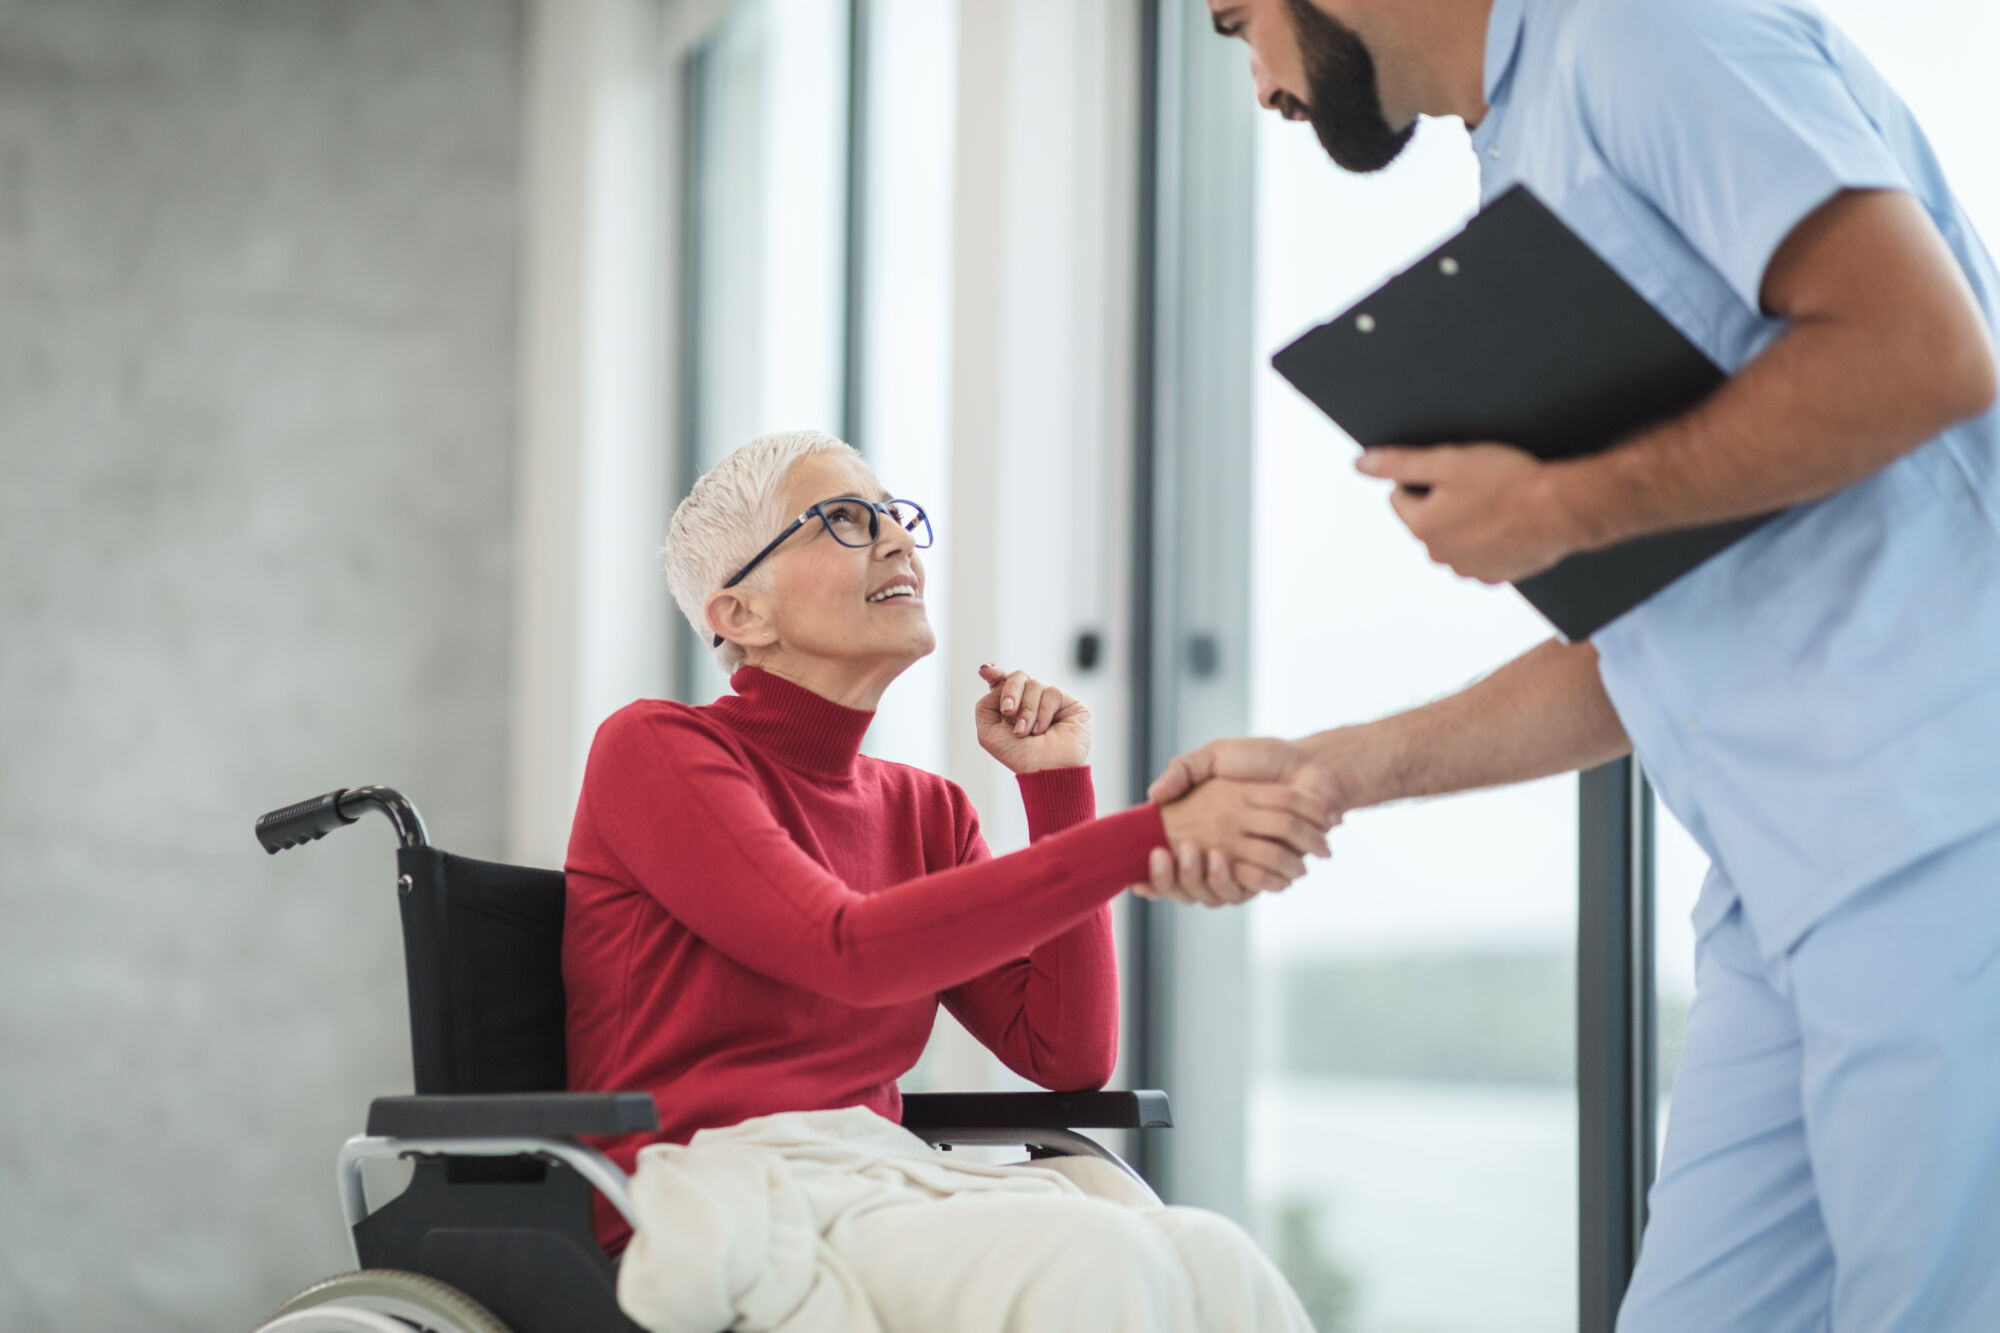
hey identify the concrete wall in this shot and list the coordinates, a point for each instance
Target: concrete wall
(257, 351)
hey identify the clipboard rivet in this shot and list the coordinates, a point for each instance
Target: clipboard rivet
(1366, 323)
(1448, 266)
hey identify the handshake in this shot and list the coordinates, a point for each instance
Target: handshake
(1241, 817)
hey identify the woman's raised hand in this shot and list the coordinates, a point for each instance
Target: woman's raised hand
(1027, 725)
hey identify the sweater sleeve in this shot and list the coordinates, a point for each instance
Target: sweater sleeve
(661, 795)
(1051, 1015)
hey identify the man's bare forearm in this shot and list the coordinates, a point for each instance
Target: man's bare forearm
(1543, 713)
(1809, 417)
(1886, 347)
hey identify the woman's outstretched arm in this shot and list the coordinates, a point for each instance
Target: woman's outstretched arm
(679, 811)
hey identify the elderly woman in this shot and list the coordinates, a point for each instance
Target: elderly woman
(762, 920)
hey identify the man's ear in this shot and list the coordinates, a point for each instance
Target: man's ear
(737, 618)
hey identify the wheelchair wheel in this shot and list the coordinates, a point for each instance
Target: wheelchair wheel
(381, 1300)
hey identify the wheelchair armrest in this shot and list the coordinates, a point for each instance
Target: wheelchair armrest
(934, 1111)
(512, 1115)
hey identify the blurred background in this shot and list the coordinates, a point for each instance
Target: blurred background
(352, 356)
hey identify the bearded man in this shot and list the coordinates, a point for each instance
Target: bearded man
(1819, 704)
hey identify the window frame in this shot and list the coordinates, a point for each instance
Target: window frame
(690, 649)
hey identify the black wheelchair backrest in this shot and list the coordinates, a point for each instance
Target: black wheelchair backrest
(482, 946)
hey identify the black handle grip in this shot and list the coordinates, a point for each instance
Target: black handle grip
(297, 825)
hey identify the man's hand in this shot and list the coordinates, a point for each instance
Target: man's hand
(1257, 836)
(1489, 511)
(1198, 872)
(1252, 759)
(1029, 726)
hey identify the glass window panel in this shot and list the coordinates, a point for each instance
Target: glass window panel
(768, 215)
(904, 421)
(1679, 866)
(1413, 1118)
(906, 309)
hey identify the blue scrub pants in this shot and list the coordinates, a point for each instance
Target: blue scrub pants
(1832, 1157)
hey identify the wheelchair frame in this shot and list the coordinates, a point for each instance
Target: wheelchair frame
(499, 1204)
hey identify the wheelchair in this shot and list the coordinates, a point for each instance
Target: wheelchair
(493, 1232)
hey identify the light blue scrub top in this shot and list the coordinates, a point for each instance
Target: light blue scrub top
(1820, 704)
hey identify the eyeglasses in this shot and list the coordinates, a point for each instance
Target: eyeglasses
(845, 516)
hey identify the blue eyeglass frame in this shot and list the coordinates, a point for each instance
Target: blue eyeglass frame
(876, 510)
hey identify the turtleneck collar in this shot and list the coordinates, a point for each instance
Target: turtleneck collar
(800, 729)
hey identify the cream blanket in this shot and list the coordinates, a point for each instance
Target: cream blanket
(842, 1222)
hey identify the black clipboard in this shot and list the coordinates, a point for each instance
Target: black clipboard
(1516, 330)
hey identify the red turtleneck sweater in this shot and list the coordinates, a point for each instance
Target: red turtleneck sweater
(762, 919)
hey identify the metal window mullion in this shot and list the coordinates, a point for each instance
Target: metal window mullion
(854, 331)
(1616, 1081)
(1642, 982)
(1140, 953)
(694, 72)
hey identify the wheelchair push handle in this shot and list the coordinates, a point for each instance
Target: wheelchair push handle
(307, 821)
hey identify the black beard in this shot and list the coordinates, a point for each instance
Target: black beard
(1345, 106)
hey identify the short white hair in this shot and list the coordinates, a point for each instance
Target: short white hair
(731, 512)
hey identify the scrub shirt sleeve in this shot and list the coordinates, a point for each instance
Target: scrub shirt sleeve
(1731, 118)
